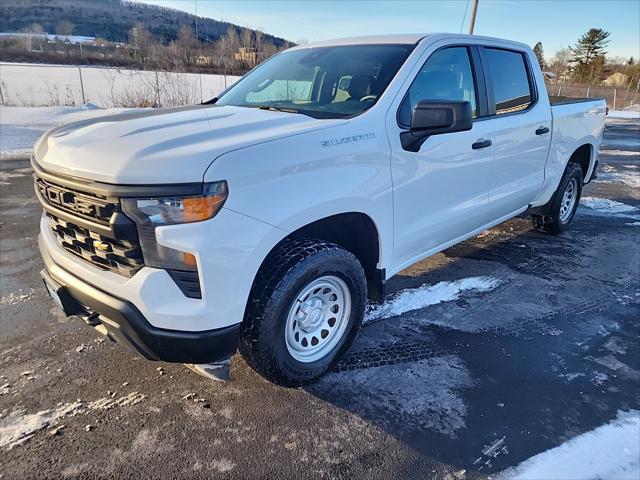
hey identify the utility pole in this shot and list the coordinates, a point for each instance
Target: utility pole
(474, 10)
(195, 6)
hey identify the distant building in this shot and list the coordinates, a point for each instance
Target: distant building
(247, 54)
(204, 60)
(616, 80)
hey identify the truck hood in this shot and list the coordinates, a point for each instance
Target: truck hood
(162, 145)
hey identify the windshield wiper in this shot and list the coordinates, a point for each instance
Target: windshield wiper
(279, 109)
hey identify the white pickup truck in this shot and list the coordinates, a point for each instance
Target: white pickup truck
(264, 219)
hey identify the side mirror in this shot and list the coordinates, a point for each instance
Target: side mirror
(433, 117)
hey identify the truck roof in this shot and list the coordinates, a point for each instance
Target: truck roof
(402, 38)
(399, 38)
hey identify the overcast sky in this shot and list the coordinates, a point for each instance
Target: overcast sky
(557, 23)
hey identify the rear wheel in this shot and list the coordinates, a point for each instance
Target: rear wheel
(305, 310)
(562, 207)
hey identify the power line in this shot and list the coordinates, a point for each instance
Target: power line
(466, 9)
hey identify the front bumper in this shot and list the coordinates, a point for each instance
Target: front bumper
(121, 321)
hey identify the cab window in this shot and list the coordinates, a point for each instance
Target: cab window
(446, 75)
(508, 73)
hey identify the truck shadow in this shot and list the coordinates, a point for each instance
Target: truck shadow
(490, 379)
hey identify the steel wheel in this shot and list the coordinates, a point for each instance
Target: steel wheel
(318, 318)
(568, 200)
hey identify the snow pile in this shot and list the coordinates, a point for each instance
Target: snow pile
(609, 451)
(607, 207)
(426, 295)
(17, 428)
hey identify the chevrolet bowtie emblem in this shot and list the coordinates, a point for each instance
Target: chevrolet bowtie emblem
(99, 245)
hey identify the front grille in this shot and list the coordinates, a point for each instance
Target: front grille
(81, 204)
(120, 256)
(84, 224)
(89, 223)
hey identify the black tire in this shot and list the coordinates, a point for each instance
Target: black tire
(287, 271)
(552, 222)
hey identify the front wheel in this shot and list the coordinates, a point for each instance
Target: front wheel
(305, 310)
(563, 204)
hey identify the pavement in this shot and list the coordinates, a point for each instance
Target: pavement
(460, 389)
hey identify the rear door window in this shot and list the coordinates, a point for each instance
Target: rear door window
(508, 72)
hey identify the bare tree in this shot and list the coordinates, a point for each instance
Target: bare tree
(33, 36)
(258, 41)
(64, 28)
(188, 44)
(229, 44)
(40, 38)
(142, 43)
(560, 63)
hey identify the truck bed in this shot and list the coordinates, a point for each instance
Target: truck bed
(561, 100)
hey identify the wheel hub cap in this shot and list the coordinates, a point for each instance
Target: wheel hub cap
(568, 200)
(311, 314)
(318, 319)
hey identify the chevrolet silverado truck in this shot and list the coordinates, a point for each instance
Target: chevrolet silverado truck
(264, 219)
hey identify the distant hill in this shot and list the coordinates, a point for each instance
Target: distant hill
(112, 19)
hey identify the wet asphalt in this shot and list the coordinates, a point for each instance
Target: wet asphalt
(462, 389)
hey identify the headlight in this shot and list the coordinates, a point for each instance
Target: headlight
(149, 213)
(172, 210)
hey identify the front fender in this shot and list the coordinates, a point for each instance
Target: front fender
(294, 181)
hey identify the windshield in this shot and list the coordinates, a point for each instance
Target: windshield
(322, 82)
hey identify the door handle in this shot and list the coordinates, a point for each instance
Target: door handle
(481, 144)
(542, 131)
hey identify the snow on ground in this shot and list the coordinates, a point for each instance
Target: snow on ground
(624, 114)
(619, 143)
(631, 179)
(20, 127)
(626, 153)
(18, 427)
(607, 207)
(31, 84)
(610, 451)
(5, 176)
(426, 295)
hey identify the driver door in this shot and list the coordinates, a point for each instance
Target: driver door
(441, 191)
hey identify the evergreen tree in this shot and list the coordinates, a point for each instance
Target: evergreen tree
(588, 55)
(540, 55)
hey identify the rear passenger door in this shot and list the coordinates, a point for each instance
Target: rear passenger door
(521, 123)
